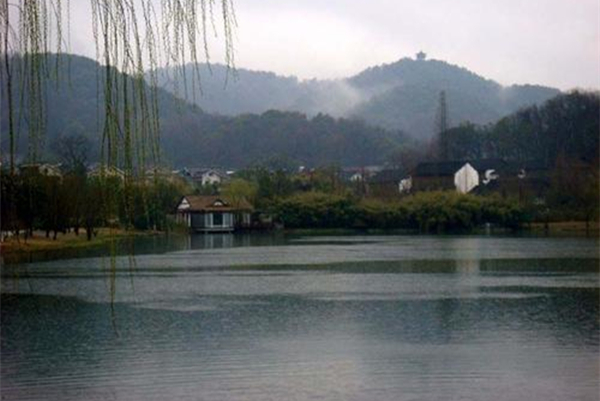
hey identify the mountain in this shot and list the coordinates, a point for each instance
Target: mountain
(406, 94)
(399, 96)
(220, 90)
(191, 136)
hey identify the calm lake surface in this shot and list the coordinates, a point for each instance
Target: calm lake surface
(369, 318)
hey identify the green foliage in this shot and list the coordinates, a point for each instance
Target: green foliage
(566, 126)
(239, 189)
(151, 202)
(449, 211)
(33, 201)
(270, 185)
(426, 212)
(562, 136)
(316, 210)
(376, 213)
(574, 192)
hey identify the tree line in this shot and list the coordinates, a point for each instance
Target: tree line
(425, 212)
(321, 198)
(565, 127)
(32, 201)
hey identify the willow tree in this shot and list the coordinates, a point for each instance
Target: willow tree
(132, 38)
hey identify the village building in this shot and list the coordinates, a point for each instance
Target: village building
(462, 176)
(213, 213)
(405, 185)
(435, 176)
(104, 171)
(386, 183)
(161, 174)
(482, 176)
(205, 176)
(466, 178)
(47, 169)
(359, 174)
(524, 180)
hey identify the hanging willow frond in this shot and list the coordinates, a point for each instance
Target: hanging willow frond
(132, 39)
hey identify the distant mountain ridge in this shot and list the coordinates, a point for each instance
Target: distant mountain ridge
(399, 96)
(191, 136)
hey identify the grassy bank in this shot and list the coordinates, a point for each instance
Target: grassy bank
(39, 242)
(563, 228)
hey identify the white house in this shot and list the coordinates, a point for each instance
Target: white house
(466, 178)
(204, 176)
(405, 185)
(47, 169)
(210, 177)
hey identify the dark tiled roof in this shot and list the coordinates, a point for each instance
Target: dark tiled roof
(389, 175)
(482, 165)
(432, 169)
(205, 203)
(446, 168)
(196, 172)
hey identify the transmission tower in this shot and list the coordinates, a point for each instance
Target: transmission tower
(442, 127)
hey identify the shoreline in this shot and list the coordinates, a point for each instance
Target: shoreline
(565, 227)
(40, 243)
(560, 228)
(70, 241)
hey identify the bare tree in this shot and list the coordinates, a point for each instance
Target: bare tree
(73, 152)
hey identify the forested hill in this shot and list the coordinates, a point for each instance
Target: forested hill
(401, 96)
(409, 95)
(565, 129)
(192, 137)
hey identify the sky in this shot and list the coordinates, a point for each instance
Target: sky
(546, 42)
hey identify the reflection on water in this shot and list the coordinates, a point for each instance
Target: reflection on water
(152, 245)
(338, 318)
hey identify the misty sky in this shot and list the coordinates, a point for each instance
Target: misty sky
(547, 42)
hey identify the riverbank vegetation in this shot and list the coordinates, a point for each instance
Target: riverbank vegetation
(38, 242)
(560, 139)
(423, 212)
(76, 203)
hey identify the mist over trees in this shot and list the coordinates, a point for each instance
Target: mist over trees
(399, 96)
(191, 137)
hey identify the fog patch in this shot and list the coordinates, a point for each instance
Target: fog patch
(337, 98)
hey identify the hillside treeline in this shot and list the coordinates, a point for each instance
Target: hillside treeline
(74, 106)
(402, 95)
(564, 129)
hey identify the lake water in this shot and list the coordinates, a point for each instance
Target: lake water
(308, 318)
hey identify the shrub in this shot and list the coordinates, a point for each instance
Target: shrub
(426, 211)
